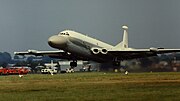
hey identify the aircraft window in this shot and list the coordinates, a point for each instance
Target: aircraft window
(64, 34)
(67, 34)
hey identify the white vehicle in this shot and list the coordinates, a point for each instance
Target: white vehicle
(69, 70)
(49, 71)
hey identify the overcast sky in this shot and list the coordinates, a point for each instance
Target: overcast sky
(27, 24)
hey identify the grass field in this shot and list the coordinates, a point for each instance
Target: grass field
(91, 87)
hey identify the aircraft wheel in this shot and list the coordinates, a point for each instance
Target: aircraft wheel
(116, 63)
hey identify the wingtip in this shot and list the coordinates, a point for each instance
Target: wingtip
(15, 53)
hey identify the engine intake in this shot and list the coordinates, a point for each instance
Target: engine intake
(99, 50)
(95, 50)
(104, 51)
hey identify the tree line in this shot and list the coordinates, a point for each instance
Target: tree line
(6, 58)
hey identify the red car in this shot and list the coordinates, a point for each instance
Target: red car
(13, 70)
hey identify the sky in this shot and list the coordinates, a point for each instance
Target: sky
(27, 24)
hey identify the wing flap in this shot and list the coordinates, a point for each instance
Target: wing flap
(131, 54)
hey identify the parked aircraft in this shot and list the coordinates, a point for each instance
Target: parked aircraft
(75, 46)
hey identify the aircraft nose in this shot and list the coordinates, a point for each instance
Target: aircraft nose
(57, 42)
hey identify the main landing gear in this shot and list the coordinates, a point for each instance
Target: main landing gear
(117, 67)
(116, 63)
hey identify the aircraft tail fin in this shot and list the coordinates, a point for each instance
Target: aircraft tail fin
(124, 43)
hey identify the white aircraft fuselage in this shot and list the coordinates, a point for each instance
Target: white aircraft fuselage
(79, 44)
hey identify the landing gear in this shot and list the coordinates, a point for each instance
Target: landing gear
(116, 63)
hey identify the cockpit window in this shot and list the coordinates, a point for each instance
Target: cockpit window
(65, 33)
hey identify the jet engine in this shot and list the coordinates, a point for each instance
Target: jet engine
(95, 50)
(104, 51)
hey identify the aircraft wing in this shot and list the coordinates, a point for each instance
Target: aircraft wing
(139, 53)
(38, 53)
(160, 51)
(54, 54)
(111, 54)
